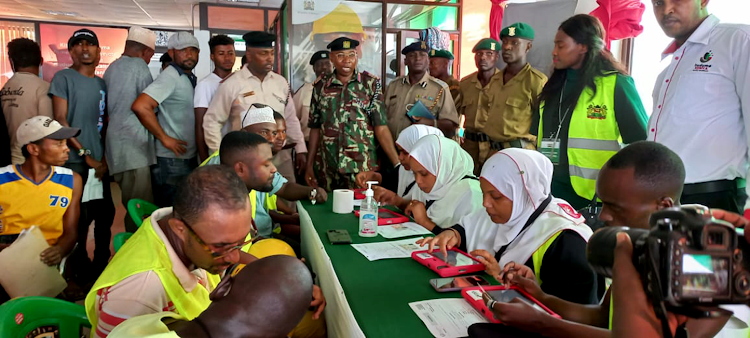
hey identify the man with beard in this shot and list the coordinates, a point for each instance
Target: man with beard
(174, 127)
(265, 181)
(256, 83)
(79, 101)
(406, 91)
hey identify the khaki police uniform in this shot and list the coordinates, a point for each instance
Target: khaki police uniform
(401, 96)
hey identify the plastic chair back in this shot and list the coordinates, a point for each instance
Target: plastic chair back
(24, 315)
(139, 209)
(119, 240)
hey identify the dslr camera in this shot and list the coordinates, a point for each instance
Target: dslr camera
(687, 258)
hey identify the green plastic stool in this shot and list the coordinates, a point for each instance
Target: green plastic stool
(120, 239)
(21, 316)
(138, 209)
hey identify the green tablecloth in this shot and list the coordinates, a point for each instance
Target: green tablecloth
(378, 292)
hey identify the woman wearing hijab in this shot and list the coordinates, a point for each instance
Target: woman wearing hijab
(587, 110)
(406, 183)
(522, 222)
(448, 189)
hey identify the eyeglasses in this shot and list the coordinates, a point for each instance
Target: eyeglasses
(342, 56)
(217, 250)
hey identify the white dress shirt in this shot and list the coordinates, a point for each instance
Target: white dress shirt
(235, 95)
(702, 102)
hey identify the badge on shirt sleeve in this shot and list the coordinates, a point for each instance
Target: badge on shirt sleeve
(569, 210)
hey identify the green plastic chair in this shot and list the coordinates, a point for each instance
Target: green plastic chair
(139, 209)
(21, 316)
(120, 239)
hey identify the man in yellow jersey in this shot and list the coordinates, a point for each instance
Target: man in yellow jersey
(266, 299)
(40, 192)
(172, 262)
(638, 180)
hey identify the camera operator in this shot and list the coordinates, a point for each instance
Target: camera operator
(634, 315)
(640, 179)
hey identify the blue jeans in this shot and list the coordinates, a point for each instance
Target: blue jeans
(166, 174)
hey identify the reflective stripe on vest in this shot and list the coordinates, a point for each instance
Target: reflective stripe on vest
(538, 256)
(145, 251)
(611, 308)
(593, 135)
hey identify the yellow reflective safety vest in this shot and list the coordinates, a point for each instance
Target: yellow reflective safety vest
(538, 256)
(593, 135)
(145, 251)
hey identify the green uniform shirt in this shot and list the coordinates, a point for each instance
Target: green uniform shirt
(455, 87)
(401, 95)
(347, 115)
(630, 116)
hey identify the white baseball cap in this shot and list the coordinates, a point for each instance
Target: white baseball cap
(142, 36)
(258, 114)
(39, 127)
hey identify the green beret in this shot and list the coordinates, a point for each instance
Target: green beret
(419, 46)
(487, 44)
(342, 43)
(441, 53)
(518, 30)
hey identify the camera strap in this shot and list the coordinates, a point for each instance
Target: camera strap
(530, 221)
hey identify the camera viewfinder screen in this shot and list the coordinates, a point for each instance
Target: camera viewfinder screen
(704, 276)
(454, 258)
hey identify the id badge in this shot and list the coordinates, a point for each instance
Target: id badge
(551, 149)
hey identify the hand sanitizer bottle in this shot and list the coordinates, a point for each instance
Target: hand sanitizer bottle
(368, 214)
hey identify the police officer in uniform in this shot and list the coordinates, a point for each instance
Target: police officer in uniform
(418, 86)
(256, 83)
(507, 122)
(440, 62)
(346, 118)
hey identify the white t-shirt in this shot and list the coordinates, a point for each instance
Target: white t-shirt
(204, 93)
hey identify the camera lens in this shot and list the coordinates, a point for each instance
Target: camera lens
(600, 250)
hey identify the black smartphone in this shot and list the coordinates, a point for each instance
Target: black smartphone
(339, 236)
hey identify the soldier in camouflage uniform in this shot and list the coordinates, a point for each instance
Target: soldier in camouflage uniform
(346, 117)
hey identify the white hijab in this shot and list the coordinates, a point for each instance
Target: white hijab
(455, 193)
(524, 176)
(407, 139)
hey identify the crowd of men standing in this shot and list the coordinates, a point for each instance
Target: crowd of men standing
(148, 134)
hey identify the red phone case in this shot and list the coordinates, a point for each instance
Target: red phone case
(398, 219)
(473, 295)
(442, 268)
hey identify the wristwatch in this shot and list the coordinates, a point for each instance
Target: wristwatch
(84, 152)
(313, 194)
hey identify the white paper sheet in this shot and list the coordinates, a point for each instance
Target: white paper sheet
(93, 189)
(24, 274)
(447, 318)
(385, 250)
(402, 230)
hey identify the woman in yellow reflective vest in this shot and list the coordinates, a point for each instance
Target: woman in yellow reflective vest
(521, 222)
(586, 111)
